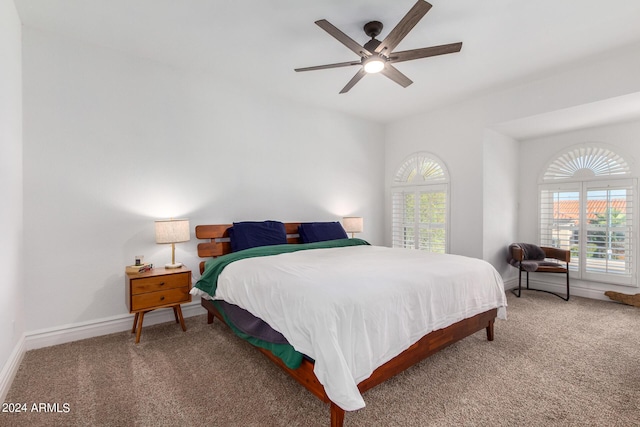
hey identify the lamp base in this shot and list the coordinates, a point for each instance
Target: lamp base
(176, 265)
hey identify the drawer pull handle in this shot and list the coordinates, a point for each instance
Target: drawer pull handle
(161, 283)
(161, 298)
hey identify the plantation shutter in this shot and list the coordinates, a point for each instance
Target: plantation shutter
(594, 220)
(560, 219)
(403, 219)
(608, 223)
(419, 218)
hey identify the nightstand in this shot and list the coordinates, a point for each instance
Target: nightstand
(157, 288)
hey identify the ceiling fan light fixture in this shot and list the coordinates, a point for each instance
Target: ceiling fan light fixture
(373, 65)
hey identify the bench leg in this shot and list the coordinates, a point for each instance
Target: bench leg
(513, 291)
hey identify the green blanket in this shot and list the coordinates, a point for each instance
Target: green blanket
(209, 280)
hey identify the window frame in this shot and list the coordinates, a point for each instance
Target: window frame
(583, 183)
(430, 185)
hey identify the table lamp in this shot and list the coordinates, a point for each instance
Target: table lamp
(352, 224)
(172, 231)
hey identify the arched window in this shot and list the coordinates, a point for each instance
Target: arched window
(587, 205)
(420, 204)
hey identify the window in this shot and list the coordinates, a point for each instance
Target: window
(420, 204)
(587, 205)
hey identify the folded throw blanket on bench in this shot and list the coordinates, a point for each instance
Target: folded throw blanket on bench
(532, 257)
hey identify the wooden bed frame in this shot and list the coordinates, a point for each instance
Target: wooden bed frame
(431, 343)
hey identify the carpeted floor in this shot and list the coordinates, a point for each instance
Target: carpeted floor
(553, 363)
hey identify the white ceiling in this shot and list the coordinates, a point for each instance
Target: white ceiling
(257, 44)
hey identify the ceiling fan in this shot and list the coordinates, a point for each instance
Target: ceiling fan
(377, 56)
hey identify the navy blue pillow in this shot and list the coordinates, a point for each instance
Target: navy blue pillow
(321, 231)
(250, 234)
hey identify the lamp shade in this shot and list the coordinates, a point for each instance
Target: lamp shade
(172, 231)
(353, 224)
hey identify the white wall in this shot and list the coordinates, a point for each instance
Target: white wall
(12, 289)
(113, 142)
(458, 135)
(499, 198)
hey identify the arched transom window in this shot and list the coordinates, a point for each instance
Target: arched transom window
(586, 161)
(421, 168)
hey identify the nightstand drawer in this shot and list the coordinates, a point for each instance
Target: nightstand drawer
(158, 283)
(151, 300)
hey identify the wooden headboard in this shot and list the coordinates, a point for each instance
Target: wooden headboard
(218, 239)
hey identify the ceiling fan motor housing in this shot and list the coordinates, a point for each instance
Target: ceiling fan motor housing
(371, 45)
(373, 28)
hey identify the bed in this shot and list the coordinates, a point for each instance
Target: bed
(310, 304)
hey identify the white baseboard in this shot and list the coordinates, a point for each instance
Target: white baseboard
(110, 325)
(11, 368)
(576, 289)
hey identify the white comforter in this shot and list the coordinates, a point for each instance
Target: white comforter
(352, 309)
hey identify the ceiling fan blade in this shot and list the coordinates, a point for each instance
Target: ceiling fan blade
(404, 26)
(343, 38)
(395, 75)
(359, 75)
(324, 67)
(425, 52)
